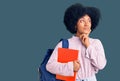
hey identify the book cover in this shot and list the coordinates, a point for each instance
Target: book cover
(66, 55)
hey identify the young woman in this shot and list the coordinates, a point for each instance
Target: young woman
(80, 21)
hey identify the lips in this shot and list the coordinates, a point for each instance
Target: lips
(86, 28)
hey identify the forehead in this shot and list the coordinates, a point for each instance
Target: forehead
(85, 17)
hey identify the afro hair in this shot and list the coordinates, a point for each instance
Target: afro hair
(76, 11)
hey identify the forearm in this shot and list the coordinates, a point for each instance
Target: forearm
(96, 55)
(65, 69)
(56, 67)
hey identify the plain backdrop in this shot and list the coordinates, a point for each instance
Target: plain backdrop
(29, 27)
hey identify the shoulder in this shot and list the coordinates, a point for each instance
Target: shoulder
(61, 42)
(94, 40)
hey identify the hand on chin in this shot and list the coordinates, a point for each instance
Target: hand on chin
(86, 32)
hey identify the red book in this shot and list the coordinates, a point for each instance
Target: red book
(66, 55)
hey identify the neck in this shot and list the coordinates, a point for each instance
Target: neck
(78, 34)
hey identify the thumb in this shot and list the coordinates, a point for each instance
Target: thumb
(78, 61)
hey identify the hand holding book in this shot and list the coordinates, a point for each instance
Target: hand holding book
(66, 55)
(76, 65)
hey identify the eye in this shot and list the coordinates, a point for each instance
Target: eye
(81, 20)
(89, 20)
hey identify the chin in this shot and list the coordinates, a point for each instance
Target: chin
(83, 32)
(86, 31)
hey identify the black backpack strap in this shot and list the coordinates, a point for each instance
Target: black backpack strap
(65, 43)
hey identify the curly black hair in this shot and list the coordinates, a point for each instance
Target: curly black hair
(76, 11)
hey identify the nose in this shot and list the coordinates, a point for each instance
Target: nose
(86, 23)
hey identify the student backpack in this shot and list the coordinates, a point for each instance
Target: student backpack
(44, 75)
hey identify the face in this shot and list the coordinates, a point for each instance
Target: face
(84, 25)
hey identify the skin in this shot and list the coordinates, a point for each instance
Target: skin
(83, 27)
